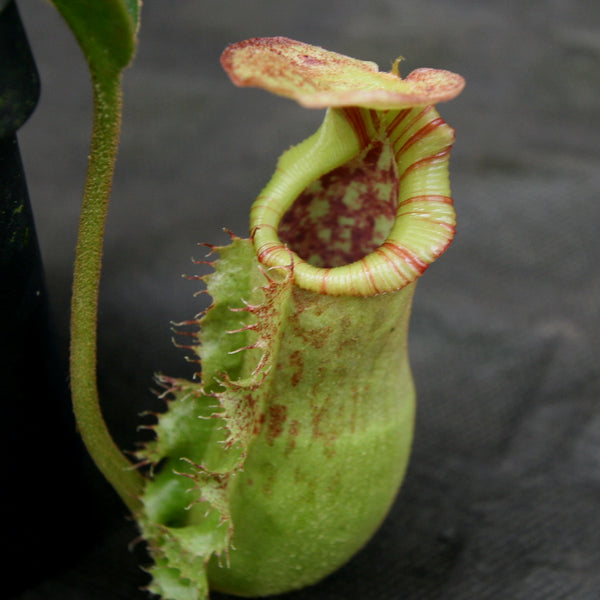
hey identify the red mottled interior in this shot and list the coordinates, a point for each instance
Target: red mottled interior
(347, 213)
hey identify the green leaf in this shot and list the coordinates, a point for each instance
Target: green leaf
(105, 29)
(133, 6)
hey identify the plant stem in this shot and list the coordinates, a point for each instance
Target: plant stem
(84, 306)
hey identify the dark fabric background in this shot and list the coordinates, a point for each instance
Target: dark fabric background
(502, 497)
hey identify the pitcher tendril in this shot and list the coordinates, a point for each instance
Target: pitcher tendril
(284, 459)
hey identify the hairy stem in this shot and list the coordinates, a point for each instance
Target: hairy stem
(84, 306)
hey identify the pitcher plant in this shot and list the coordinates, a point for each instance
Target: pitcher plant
(280, 461)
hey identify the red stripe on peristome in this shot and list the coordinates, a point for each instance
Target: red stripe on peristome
(408, 126)
(266, 205)
(263, 225)
(367, 271)
(427, 216)
(374, 116)
(395, 122)
(394, 266)
(409, 257)
(438, 251)
(356, 120)
(439, 156)
(450, 228)
(255, 229)
(427, 198)
(268, 250)
(420, 134)
(324, 278)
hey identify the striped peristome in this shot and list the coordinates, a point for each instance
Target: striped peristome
(420, 143)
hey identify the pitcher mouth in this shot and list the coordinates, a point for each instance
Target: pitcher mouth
(363, 206)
